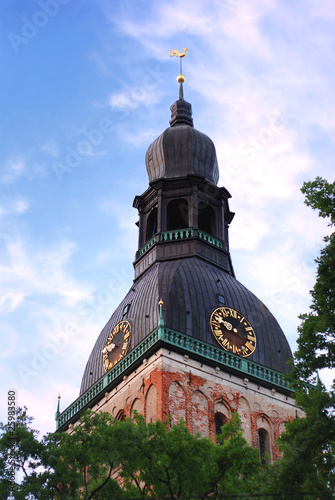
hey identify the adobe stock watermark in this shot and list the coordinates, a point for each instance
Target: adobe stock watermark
(60, 341)
(30, 27)
(93, 138)
(249, 149)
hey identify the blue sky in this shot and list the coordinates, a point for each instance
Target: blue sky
(86, 87)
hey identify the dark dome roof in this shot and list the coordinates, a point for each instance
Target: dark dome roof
(181, 150)
(189, 289)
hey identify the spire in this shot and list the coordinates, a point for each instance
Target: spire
(180, 78)
(58, 408)
(161, 319)
(181, 111)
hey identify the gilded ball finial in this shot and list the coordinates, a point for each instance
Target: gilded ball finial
(160, 303)
(181, 78)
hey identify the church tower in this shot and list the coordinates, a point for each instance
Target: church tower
(188, 340)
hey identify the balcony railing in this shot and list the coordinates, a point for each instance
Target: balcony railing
(210, 239)
(176, 234)
(181, 234)
(147, 246)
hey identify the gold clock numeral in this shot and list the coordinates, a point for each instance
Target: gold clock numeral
(233, 314)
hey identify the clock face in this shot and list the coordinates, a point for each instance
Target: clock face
(117, 345)
(233, 331)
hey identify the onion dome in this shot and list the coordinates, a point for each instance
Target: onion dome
(181, 149)
(190, 289)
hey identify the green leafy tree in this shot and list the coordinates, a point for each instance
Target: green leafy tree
(308, 445)
(19, 450)
(103, 458)
(173, 463)
(316, 342)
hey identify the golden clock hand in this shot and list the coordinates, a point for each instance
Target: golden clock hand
(110, 347)
(229, 326)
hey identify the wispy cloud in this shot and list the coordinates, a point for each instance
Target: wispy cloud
(13, 169)
(29, 271)
(17, 206)
(51, 147)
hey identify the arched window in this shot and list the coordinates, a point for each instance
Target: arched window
(220, 420)
(151, 404)
(206, 218)
(264, 446)
(136, 407)
(151, 224)
(177, 214)
(120, 415)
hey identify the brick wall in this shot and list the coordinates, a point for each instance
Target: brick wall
(170, 384)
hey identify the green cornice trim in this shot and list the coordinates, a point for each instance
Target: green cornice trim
(182, 343)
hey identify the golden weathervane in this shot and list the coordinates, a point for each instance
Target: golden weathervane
(180, 77)
(177, 53)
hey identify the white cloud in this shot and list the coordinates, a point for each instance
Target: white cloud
(44, 271)
(21, 206)
(17, 206)
(51, 147)
(11, 300)
(138, 138)
(122, 100)
(12, 171)
(323, 8)
(248, 230)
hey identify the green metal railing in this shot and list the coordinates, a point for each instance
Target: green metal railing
(224, 358)
(188, 345)
(147, 246)
(176, 234)
(210, 239)
(181, 234)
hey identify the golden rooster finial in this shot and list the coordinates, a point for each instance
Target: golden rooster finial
(177, 53)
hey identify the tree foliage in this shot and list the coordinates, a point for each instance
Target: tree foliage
(308, 445)
(316, 342)
(104, 458)
(308, 450)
